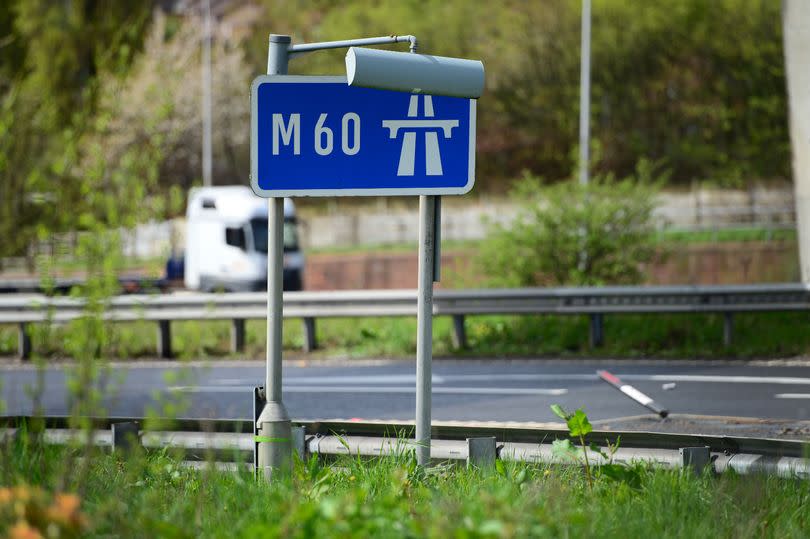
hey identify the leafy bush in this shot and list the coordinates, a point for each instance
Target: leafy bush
(573, 234)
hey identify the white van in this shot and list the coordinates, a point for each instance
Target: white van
(226, 241)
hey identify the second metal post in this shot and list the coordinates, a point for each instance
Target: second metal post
(424, 331)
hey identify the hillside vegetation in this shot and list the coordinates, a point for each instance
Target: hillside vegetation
(100, 101)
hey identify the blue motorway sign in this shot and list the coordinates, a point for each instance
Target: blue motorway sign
(318, 136)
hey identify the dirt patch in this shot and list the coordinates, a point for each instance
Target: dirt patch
(711, 426)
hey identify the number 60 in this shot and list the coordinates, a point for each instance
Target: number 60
(324, 138)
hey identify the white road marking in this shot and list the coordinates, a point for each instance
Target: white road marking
(701, 378)
(375, 389)
(516, 377)
(235, 381)
(359, 379)
(441, 379)
(785, 380)
(792, 396)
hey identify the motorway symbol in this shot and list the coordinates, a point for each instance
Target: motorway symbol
(317, 136)
(407, 157)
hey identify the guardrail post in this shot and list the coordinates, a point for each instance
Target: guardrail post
(481, 452)
(238, 335)
(459, 335)
(164, 339)
(23, 342)
(696, 458)
(597, 336)
(299, 444)
(728, 328)
(125, 437)
(310, 339)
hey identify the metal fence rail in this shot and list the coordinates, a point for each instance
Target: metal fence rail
(232, 440)
(595, 302)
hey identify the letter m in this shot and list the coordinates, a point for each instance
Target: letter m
(286, 132)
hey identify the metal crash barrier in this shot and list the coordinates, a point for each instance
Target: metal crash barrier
(594, 302)
(229, 444)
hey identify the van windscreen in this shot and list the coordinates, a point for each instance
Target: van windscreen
(259, 229)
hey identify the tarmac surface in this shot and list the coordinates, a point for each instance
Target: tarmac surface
(762, 399)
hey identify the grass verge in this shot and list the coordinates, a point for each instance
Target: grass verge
(724, 235)
(670, 336)
(157, 497)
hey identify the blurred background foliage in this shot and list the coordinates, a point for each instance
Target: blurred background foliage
(100, 101)
(571, 234)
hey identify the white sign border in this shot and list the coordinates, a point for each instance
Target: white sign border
(399, 191)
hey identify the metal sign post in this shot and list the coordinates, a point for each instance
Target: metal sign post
(424, 326)
(273, 427)
(359, 136)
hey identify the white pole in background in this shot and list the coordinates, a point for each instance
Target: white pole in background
(584, 117)
(796, 32)
(206, 100)
(585, 93)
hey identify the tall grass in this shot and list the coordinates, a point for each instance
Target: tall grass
(155, 496)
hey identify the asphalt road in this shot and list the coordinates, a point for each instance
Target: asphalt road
(463, 390)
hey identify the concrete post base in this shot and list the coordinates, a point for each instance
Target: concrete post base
(275, 442)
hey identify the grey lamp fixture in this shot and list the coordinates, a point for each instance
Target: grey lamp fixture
(414, 73)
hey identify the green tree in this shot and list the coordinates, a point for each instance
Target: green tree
(670, 82)
(50, 56)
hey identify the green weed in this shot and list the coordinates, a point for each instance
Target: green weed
(578, 427)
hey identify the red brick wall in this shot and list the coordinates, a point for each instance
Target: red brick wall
(727, 263)
(376, 271)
